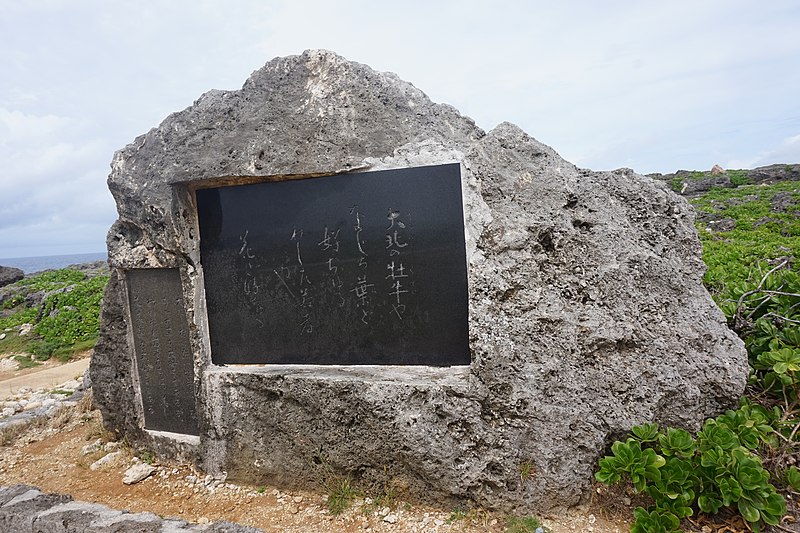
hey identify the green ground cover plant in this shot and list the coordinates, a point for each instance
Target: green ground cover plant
(66, 318)
(744, 460)
(761, 234)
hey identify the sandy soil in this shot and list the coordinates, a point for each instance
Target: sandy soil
(48, 375)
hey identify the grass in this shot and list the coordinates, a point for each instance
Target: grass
(526, 470)
(147, 457)
(387, 499)
(9, 433)
(341, 494)
(24, 361)
(13, 343)
(524, 524)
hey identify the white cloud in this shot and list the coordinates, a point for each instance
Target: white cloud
(788, 151)
(19, 127)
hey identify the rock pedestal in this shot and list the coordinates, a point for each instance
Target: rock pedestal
(587, 314)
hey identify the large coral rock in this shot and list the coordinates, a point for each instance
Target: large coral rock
(587, 311)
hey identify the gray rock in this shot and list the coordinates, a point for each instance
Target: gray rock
(25, 509)
(72, 516)
(783, 202)
(587, 309)
(716, 222)
(11, 492)
(9, 275)
(774, 173)
(693, 186)
(18, 513)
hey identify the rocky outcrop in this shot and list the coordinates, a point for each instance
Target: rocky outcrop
(587, 313)
(692, 183)
(9, 275)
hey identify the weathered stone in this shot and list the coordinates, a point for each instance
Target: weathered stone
(25, 509)
(106, 460)
(587, 312)
(137, 473)
(9, 275)
(19, 512)
(774, 173)
(782, 202)
(72, 516)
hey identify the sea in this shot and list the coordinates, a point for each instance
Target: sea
(47, 262)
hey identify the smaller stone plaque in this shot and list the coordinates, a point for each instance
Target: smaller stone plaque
(163, 353)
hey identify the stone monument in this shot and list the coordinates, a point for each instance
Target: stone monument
(327, 272)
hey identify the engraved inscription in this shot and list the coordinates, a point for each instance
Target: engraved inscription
(365, 268)
(163, 354)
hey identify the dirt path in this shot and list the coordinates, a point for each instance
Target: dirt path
(41, 377)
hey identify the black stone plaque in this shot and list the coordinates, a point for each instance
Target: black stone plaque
(163, 353)
(362, 268)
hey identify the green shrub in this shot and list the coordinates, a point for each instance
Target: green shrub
(715, 469)
(765, 312)
(43, 350)
(77, 316)
(738, 177)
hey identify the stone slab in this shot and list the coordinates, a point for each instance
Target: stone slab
(163, 355)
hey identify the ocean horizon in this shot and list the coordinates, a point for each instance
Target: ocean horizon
(30, 265)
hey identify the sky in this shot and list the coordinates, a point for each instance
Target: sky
(655, 86)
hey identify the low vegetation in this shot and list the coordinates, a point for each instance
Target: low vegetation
(744, 461)
(63, 307)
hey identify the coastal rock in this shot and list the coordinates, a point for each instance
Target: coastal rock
(774, 173)
(587, 312)
(9, 275)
